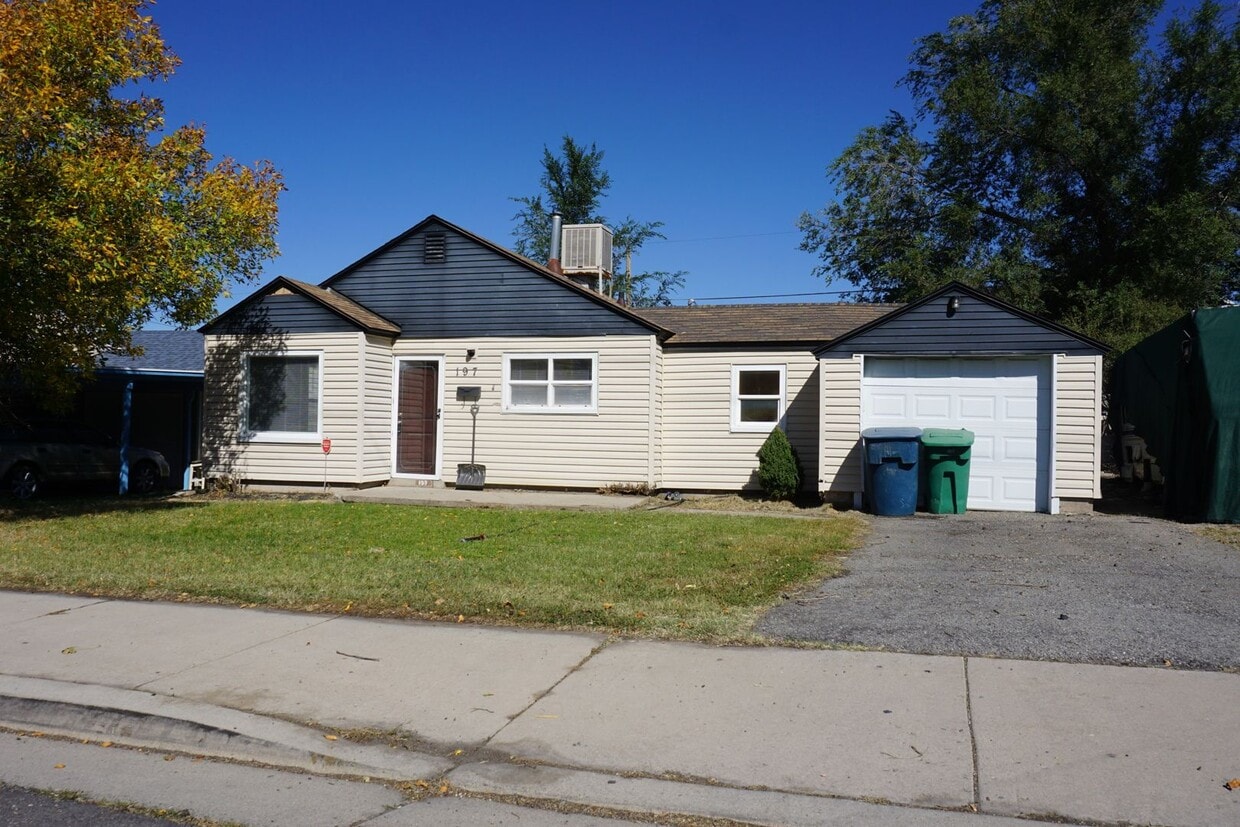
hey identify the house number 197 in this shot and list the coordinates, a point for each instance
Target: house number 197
(466, 370)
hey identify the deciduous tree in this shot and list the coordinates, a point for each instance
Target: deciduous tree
(107, 220)
(574, 183)
(1066, 155)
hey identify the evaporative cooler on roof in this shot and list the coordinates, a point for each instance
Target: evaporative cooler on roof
(585, 254)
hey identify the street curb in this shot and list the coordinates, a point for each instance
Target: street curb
(152, 721)
(656, 796)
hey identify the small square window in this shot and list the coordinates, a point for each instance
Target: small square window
(758, 393)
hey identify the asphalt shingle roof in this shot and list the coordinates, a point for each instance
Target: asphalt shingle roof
(164, 350)
(366, 319)
(758, 323)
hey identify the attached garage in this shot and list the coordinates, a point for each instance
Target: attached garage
(1004, 401)
(1029, 389)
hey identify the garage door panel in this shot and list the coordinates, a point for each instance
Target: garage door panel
(978, 408)
(1005, 401)
(1019, 490)
(983, 448)
(1019, 449)
(1020, 408)
(926, 406)
(981, 488)
(889, 405)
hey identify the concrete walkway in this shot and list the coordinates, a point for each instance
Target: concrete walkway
(398, 494)
(761, 735)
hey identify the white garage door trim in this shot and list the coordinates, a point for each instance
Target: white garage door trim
(1006, 401)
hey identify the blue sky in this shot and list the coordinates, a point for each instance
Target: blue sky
(718, 119)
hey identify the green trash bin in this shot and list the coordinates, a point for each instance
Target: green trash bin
(947, 453)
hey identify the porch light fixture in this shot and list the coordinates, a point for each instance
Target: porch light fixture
(469, 354)
(953, 304)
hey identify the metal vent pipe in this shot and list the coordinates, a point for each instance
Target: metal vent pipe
(557, 224)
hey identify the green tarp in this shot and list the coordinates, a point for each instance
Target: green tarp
(1180, 390)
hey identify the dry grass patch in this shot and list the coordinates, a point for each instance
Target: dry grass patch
(810, 506)
(658, 574)
(1229, 534)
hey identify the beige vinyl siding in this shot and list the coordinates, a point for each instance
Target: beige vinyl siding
(225, 448)
(839, 443)
(1078, 426)
(699, 449)
(586, 450)
(376, 406)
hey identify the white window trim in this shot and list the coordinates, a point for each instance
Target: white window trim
(575, 410)
(758, 427)
(297, 437)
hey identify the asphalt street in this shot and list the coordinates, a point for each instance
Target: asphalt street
(27, 808)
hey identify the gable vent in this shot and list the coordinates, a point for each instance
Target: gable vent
(434, 248)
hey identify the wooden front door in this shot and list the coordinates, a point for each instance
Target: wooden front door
(417, 418)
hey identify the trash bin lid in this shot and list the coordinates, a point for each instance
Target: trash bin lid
(947, 437)
(891, 433)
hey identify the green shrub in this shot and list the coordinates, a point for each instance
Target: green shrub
(779, 469)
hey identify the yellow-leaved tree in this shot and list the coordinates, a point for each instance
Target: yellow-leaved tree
(107, 218)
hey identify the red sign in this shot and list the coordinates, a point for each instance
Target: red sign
(327, 446)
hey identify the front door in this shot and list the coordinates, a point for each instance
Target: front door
(417, 417)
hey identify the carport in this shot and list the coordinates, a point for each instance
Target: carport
(153, 400)
(1030, 390)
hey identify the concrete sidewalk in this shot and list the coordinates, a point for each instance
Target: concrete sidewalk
(769, 736)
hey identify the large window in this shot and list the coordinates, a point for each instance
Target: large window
(551, 383)
(757, 397)
(283, 398)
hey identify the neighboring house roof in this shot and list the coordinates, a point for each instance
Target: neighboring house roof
(164, 351)
(597, 298)
(340, 305)
(732, 324)
(957, 287)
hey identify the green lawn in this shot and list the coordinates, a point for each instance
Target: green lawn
(660, 574)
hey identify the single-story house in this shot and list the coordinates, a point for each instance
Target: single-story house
(441, 347)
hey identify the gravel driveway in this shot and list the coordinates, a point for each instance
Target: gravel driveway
(1090, 588)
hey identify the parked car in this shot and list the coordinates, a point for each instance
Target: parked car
(66, 452)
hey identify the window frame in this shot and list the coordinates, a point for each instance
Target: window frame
(306, 437)
(570, 410)
(781, 399)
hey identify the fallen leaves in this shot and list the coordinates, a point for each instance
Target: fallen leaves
(69, 650)
(1233, 784)
(332, 737)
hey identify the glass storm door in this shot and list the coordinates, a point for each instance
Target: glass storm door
(417, 418)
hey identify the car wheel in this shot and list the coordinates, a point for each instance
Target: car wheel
(144, 478)
(24, 481)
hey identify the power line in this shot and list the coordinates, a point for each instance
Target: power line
(717, 237)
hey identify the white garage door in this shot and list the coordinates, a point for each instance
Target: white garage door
(1006, 402)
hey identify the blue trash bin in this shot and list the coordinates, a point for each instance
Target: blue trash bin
(891, 469)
